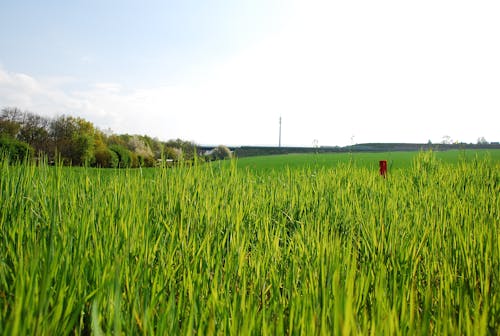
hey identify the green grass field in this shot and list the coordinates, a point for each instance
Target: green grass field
(395, 160)
(271, 246)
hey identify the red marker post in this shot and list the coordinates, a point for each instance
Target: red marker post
(383, 167)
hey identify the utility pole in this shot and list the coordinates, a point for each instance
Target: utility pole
(280, 133)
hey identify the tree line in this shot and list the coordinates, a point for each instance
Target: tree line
(76, 141)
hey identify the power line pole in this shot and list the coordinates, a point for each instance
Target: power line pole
(280, 133)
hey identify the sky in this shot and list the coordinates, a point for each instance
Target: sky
(224, 72)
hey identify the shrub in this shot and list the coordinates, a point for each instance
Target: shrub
(105, 158)
(221, 152)
(124, 156)
(14, 149)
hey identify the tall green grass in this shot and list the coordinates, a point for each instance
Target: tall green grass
(218, 250)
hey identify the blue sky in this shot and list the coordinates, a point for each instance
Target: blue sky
(223, 72)
(133, 42)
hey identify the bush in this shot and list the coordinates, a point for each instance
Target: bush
(134, 160)
(221, 153)
(146, 161)
(124, 156)
(14, 149)
(173, 153)
(106, 158)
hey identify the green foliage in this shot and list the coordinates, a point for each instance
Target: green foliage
(76, 141)
(145, 161)
(15, 150)
(123, 154)
(73, 139)
(83, 149)
(105, 158)
(117, 140)
(213, 249)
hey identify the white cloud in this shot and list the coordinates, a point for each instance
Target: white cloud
(27, 92)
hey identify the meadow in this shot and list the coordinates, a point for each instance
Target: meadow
(395, 160)
(325, 246)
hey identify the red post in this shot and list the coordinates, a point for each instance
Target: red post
(383, 167)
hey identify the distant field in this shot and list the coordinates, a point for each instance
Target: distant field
(395, 160)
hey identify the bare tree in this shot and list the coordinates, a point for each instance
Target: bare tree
(34, 130)
(447, 140)
(12, 114)
(482, 141)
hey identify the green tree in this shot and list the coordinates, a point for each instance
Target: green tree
(73, 139)
(103, 156)
(82, 149)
